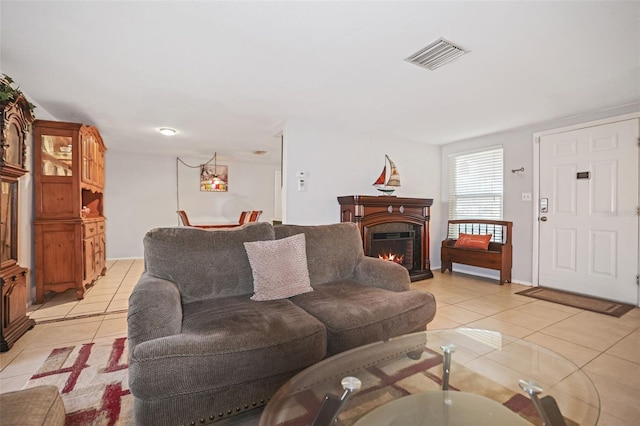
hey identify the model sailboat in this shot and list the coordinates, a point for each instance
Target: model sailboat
(388, 183)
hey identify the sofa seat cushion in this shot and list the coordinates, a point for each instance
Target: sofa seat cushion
(226, 342)
(356, 314)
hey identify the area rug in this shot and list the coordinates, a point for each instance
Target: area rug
(93, 381)
(588, 303)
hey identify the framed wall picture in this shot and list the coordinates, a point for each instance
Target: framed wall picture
(214, 178)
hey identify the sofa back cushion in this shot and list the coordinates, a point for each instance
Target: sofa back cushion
(204, 264)
(332, 250)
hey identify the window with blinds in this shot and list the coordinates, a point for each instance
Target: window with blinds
(476, 184)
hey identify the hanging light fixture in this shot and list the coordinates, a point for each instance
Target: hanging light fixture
(212, 182)
(217, 183)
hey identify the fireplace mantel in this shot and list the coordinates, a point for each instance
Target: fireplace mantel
(370, 212)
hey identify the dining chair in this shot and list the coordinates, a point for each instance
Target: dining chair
(244, 217)
(184, 218)
(254, 215)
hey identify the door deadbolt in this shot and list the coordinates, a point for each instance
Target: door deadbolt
(544, 205)
(543, 219)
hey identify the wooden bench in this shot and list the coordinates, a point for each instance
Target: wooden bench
(498, 256)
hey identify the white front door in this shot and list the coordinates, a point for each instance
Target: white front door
(589, 234)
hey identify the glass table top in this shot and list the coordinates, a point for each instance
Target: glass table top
(404, 376)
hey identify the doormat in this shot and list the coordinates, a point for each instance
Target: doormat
(588, 303)
(93, 382)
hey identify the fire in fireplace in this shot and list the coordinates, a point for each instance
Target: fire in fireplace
(394, 246)
(392, 257)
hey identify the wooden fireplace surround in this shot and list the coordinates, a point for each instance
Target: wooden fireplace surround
(368, 211)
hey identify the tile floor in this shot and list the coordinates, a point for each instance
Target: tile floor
(100, 315)
(607, 348)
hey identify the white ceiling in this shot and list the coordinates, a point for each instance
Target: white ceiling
(228, 75)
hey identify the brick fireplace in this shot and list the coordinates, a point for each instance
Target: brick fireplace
(392, 226)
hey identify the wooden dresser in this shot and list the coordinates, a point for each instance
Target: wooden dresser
(69, 224)
(15, 117)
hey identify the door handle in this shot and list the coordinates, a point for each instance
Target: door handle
(543, 219)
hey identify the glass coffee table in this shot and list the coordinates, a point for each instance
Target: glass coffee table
(445, 377)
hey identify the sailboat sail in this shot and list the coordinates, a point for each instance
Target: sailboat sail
(382, 177)
(390, 183)
(394, 177)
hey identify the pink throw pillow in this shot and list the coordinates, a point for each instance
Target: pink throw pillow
(279, 268)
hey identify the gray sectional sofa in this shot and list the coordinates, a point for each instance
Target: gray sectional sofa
(202, 350)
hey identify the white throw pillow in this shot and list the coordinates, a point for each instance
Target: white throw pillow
(279, 268)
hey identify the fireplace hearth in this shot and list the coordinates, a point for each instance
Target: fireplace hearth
(392, 226)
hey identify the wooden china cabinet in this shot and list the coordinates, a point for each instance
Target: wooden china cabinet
(16, 116)
(69, 224)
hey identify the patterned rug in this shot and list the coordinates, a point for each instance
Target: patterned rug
(93, 381)
(580, 301)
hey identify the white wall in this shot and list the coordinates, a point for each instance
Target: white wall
(340, 162)
(140, 194)
(518, 152)
(26, 254)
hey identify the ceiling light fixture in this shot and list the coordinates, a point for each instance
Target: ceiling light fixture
(167, 131)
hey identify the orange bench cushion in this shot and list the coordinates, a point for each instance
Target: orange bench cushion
(473, 241)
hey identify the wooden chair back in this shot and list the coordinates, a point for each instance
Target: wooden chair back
(184, 218)
(254, 215)
(244, 217)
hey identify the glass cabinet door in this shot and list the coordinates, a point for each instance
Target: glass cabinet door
(88, 148)
(57, 155)
(8, 231)
(12, 144)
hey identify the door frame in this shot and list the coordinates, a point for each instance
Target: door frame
(536, 186)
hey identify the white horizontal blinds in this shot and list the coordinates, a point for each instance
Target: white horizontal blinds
(497, 232)
(476, 184)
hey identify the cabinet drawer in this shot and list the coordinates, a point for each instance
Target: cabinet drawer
(90, 229)
(100, 226)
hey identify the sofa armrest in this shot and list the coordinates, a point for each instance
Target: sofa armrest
(155, 310)
(383, 274)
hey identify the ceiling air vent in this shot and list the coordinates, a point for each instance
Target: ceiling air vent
(436, 54)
